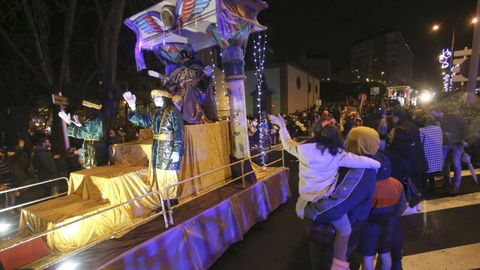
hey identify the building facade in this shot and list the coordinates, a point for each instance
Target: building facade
(287, 88)
(384, 57)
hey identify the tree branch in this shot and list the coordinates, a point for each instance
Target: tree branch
(44, 64)
(23, 57)
(99, 12)
(67, 38)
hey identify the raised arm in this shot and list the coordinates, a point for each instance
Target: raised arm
(351, 160)
(288, 144)
(141, 120)
(90, 129)
(138, 119)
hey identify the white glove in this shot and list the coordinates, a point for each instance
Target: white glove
(130, 99)
(175, 157)
(76, 121)
(155, 74)
(208, 71)
(65, 117)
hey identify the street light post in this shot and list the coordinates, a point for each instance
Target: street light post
(474, 59)
(450, 83)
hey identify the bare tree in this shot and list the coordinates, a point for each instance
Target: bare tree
(110, 17)
(33, 21)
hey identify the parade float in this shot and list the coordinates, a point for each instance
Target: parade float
(209, 202)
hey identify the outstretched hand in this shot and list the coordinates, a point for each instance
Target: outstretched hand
(208, 71)
(65, 117)
(277, 120)
(76, 121)
(130, 99)
(153, 73)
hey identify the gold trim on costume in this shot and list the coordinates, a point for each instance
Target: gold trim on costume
(92, 105)
(163, 137)
(160, 93)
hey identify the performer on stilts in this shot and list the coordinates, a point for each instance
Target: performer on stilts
(91, 131)
(167, 146)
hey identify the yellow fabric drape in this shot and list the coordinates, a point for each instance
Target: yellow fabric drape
(136, 153)
(55, 213)
(207, 147)
(163, 179)
(115, 184)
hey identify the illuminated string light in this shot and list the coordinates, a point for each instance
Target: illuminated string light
(223, 74)
(212, 62)
(259, 46)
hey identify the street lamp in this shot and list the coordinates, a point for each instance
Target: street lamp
(435, 27)
(474, 20)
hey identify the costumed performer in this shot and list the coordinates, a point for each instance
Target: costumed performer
(167, 146)
(91, 131)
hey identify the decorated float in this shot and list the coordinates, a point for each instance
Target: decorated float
(175, 199)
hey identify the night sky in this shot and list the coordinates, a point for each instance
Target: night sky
(329, 27)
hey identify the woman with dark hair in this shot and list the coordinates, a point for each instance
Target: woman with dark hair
(415, 154)
(319, 160)
(21, 163)
(398, 152)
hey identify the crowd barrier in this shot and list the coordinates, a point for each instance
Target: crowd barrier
(223, 182)
(9, 208)
(65, 226)
(165, 209)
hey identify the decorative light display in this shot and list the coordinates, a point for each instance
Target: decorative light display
(452, 74)
(259, 45)
(221, 83)
(444, 60)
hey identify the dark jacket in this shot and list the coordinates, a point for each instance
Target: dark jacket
(399, 160)
(454, 129)
(73, 163)
(417, 159)
(21, 166)
(358, 203)
(44, 164)
(5, 174)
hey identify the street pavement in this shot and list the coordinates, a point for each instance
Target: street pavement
(444, 235)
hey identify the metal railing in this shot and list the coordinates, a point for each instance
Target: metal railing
(242, 176)
(37, 200)
(167, 220)
(98, 241)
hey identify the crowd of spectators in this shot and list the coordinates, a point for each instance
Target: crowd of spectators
(33, 160)
(413, 147)
(416, 147)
